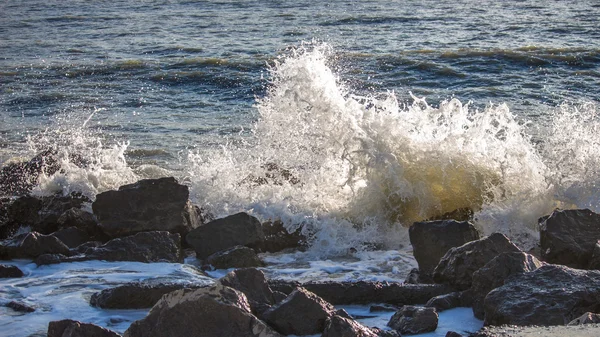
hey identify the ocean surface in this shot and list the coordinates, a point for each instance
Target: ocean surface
(352, 119)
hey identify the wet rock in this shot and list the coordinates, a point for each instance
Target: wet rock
(31, 245)
(20, 307)
(587, 318)
(72, 236)
(453, 334)
(137, 295)
(549, 295)
(382, 308)
(71, 328)
(301, 313)
(445, 302)
(414, 277)
(568, 237)
(85, 221)
(221, 234)
(235, 257)
(595, 260)
(432, 239)
(386, 333)
(338, 326)
(204, 312)
(493, 274)
(147, 205)
(458, 264)
(20, 178)
(365, 292)
(277, 238)
(142, 247)
(283, 286)
(253, 284)
(412, 320)
(8, 271)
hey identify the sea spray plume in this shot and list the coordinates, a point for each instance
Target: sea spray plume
(369, 165)
(87, 165)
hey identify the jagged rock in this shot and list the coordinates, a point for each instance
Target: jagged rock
(221, 234)
(493, 274)
(20, 307)
(277, 238)
(412, 320)
(338, 326)
(72, 236)
(364, 292)
(301, 313)
(253, 284)
(204, 312)
(549, 295)
(137, 295)
(235, 257)
(414, 277)
(142, 247)
(386, 333)
(147, 205)
(595, 260)
(71, 328)
(432, 239)
(447, 301)
(7, 271)
(31, 245)
(458, 264)
(568, 237)
(85, 221)
(587, 318)
(20, 178)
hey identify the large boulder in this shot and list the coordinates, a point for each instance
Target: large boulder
(549, 295)
(364, 292)
(253, 284)
(568, 237)
(412, 320)
(459, 263)
(221, 234)
(8, 271)
(71, 328)
(147, 205)
(137, 295)
(301, 313)
(432, 239)
(32, 245)
(204, 312)
(235, 257)
(338, 326)
(493, 274)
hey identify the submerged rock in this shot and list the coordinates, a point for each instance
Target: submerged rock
(459, 263)
(8, 271)
(568, 237)
(432, 239)
(147, 205)
(412, 320)
(71, 328)
(20, 307)
(205, 312)
(235, 257)
(493, 274)
(221, 234)
(301, 313)
(550, 295)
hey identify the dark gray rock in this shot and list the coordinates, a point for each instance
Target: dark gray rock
(20, 178)
(493, 274)
(412, 320)
(205, 312)
(549, 295)
(147, 205)
(277, 238)
(283, 286)
(20, 307)
(458, 265)
(595, 260)
(432, 239)
(31, 245)
(338, 326)
(85, 221)
(587, 330)
(386, 333)
(453, 334)
(301, 313)
(568, 237)
(137, 295)
(7, 271)
(414, 277)
(445, 302)
(364, 292)
(72, 236)
(253, 284)
(235, 257)
(221, 234)
(71, 328)
(587, 318)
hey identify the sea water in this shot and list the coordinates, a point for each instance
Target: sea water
(382, 112)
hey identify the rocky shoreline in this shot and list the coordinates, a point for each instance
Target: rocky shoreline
(154, 221)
